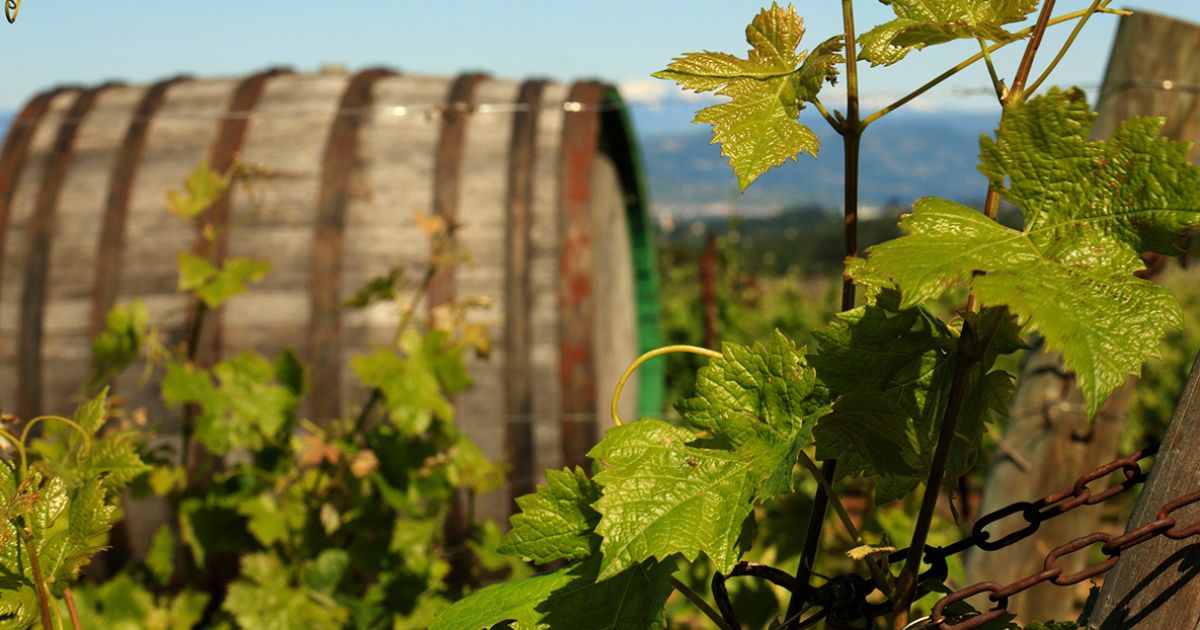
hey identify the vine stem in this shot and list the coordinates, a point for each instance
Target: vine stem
(1096, 6)
(962, 65)
(406, 318)
(906, 585)
(699, 602)
(877, 571)
(39, 582)
(71, 609)
(851, 130)
(1017, 92)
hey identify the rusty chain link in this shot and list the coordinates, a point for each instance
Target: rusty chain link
(1163, 525)
(851, 604)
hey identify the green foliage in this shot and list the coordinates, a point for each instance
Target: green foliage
(215, 285)
(122, 603)
(1070, 271)
(757, 128)
(920, 23)
(556, 521)
(60, 500)
(892, 368)
(569, 597)
(1136, 187)
(244, 406)
(120, 342)
(203, 188)
(672, 490)
(331, 526)
(264, 598)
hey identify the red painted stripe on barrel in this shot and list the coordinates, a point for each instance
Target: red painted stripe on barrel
(577, 362)
(340, 164)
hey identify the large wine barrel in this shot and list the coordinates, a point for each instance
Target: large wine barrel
(543, 178)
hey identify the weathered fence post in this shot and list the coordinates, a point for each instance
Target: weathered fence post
(1151, 72)
(1155, 583)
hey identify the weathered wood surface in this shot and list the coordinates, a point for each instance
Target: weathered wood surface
(1153, 72)
(1048, 426)
(135, 143)
(1155, 584)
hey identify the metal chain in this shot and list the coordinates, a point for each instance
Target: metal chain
(851, 606)
(1163, 525)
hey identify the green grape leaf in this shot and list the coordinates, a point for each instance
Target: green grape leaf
(160, 558)
(380, 289)
(757, 128)
(1136, 187)
(123, 337)
(920, 23)
(214, 285)
(571, 597)
(1079, 291)
(92, 413)
(758, 400)
(244, 407)
(264, 519)
(415, 385)
(326, 571)
(18, 604)
(263, 598)
(662, 497)
(202, 188)
(870, 434)
(893, 366)
(113, 458)
(556, 521)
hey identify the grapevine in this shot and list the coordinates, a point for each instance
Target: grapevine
(893, 393)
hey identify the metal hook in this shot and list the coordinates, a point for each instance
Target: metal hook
(920, 623)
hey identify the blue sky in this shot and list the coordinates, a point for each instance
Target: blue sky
(619, 40)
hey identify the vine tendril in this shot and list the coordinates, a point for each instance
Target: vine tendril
(712, 354)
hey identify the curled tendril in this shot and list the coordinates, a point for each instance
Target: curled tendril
(712, 354)
(11, 7)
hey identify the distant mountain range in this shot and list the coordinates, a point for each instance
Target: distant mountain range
(905, 156)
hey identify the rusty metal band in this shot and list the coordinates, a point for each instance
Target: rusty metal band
(111, 246)
(522, 166)
(39, 238)
(581, 132)
(231, 135)
(447, 177)
(12, 156)
(339, 166)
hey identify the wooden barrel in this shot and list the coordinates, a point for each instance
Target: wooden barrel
(543, 178)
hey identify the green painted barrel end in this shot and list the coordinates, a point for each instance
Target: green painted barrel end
(618, 135)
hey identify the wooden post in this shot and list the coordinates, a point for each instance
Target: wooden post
(1155, 584)
(1152, 72)
(708, 289)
